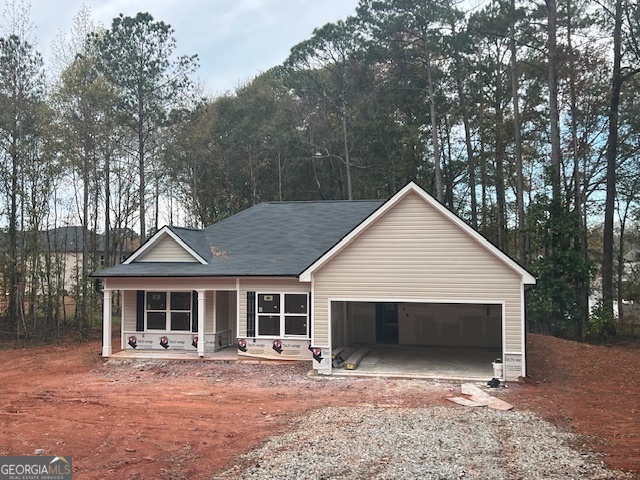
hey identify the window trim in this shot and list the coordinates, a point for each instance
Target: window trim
(168, 311)
(282, 314)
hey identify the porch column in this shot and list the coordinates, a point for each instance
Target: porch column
(106, 323)
(201, 312)
(215, 309)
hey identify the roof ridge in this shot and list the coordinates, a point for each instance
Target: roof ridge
(361, 200)
(191, 229)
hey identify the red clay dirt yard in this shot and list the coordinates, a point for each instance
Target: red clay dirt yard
(188, 420)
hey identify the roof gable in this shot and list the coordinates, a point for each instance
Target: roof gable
(167, 246)
(412, 188)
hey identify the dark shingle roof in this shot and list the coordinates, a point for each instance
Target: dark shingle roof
(71, 239)
(67, 239)
(195, 239)
(268, 239)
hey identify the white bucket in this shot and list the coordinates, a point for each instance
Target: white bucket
(498, 369)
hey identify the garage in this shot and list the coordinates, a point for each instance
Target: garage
(445, 340)
(425, 293)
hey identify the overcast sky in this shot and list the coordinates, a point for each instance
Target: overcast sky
(234, 39)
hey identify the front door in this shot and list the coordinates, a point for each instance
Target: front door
(387, 323)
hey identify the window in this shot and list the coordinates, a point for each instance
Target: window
(156, 307)
(172, 316)
(295, 325)
(295, 319)
(181, 310)
(269, 325)
(275, 321)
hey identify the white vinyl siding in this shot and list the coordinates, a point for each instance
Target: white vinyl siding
(208, 316)
(414, 253)
(223, 311)
(166, 249)
(129, 310)
(267, 284)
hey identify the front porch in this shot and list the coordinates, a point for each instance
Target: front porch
(167, 318)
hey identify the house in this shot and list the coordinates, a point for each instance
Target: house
(57, 255)
(297, 280)
(68, 243)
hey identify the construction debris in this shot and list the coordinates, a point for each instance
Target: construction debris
(339, 355)
(354, 360)
(466, 402)
(479, 398)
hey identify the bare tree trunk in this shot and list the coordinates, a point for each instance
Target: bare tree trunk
(434, 125)
(482, 160)
(556, 153)
(484, 209)
(347, 155)
(462, 97)
(620, 261)
(156, 204)
(82, 277)
(22, 249)
(500, 155)
(558, 241)
(142, 186)
(583, 295)
(522, 256)
(612, 151)
(446, 161)
(107, 209)
(12, 308)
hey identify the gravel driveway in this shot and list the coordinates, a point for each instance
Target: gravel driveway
(366, 442)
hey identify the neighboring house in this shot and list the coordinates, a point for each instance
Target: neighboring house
(630, 283)
(68, 243)
(51, 263)
(297, 279)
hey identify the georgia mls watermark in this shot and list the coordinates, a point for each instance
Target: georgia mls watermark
(40, 467)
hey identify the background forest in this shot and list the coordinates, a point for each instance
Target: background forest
(522, 117)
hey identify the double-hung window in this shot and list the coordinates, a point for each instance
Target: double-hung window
(283, 315)
(168, 311)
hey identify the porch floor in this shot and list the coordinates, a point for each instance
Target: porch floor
(229, 354)
(407, 361)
